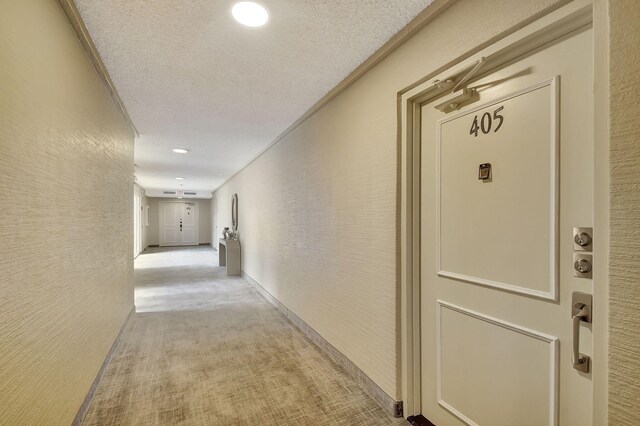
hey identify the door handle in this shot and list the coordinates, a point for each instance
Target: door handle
(580, 362)
(580, 311)
(180, 226)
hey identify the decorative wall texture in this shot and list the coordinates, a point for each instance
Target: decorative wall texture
(624, 288)
(66, 198)
(204, 221)
(318, 211)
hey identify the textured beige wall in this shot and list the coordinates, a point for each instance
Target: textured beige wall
(204, 219)
(318, 211)
(66, 199)
(624, 285)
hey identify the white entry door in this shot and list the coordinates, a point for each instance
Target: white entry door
(178, 224)
(504, 181)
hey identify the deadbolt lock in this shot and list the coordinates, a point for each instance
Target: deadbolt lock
(582, 265)
(582, 239)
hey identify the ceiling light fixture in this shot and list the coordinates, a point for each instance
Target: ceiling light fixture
(180, 178)
(250, 14)
(180, 150)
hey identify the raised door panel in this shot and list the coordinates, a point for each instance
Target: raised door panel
(481, 219)
(169, 224)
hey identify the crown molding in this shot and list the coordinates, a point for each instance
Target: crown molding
(71, 11)
(418, 23)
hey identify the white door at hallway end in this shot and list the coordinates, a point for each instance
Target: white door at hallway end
(504, 182)
(178, 224)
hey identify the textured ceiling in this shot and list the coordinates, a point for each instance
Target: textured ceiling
(191, 77)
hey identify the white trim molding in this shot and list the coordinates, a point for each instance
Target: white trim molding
(72, 14)
(86, 404)
(390, 405)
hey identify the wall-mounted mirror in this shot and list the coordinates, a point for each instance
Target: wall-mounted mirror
(234, 212)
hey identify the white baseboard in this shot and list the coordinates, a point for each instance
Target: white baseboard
(388, 403)
(84, 408)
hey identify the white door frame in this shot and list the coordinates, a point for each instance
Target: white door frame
(196, 218)
(549, 28)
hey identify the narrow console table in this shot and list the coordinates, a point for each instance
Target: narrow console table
(229, 255)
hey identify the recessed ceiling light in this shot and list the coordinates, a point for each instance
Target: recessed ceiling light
(250, 14)
(180, 178)
(180, 150)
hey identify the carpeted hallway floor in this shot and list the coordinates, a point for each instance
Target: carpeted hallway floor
(207, 349)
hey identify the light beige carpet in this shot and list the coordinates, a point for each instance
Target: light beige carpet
(207, 349)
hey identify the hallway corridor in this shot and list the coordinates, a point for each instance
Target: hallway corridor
(207, 349)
